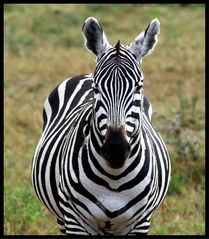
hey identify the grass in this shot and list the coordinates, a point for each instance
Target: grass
(43, 45)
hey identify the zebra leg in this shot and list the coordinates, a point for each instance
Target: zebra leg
(147, 107)
(69, 224)
(71, 227)
(140, 229)
(61, 225)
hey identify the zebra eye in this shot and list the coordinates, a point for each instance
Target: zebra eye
(95, 88)
(138, 88)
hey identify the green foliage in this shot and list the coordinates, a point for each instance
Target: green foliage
(176, 185)
(189, 114)
(184, 132)
(21, 202)
(43, 45)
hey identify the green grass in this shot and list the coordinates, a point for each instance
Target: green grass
(43, 45)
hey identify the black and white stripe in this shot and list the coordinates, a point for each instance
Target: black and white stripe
(100, 165)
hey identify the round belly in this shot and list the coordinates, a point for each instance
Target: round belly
(109, 214)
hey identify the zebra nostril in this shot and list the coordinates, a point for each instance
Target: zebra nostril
(115, 149)
(115, 153)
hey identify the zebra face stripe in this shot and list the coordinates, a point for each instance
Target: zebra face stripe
(118, 92)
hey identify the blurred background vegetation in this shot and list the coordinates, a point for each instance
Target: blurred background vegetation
(43, 45)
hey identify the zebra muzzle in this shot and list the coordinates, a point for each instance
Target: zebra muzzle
(116, 148)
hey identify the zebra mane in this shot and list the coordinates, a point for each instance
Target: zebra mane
(117, 47)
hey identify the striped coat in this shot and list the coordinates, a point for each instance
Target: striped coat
(76, 177)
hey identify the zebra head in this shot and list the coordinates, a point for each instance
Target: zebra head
(118, 88)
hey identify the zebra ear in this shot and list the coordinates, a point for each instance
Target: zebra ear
(145, 42)
(95, 39)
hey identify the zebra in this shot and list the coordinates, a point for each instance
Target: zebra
(100, 166)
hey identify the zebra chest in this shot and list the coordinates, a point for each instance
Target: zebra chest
(97, 201)
(107, 212)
